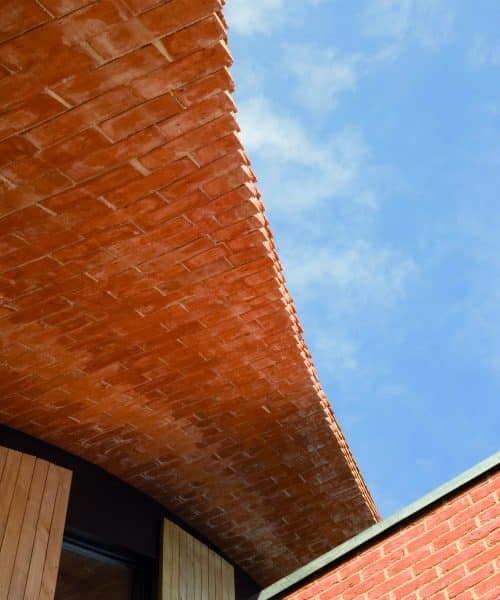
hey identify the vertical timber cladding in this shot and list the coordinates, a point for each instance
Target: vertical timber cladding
(33, 502)
(191, 570)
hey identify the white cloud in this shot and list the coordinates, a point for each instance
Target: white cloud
(347, 290)
(387, 18)
(323, 202)
(341, 352)
(255, 16)
(327, 168)
(363, 274)
(274, 134)
(481, 54)
(427, 22)
(322, 74)
(250, 17)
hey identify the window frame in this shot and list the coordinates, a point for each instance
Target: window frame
(145, 569)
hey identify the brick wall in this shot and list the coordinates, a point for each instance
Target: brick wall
(451, 551)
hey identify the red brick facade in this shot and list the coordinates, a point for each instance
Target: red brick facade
(145, 324)
(451, 551)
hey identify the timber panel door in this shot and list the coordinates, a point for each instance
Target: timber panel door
(33, 501)
(190, 570)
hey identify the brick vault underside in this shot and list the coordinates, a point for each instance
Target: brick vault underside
(144, 323)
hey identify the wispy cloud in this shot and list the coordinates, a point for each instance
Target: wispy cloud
(258, 16)
(352, 286)
(322, 74)
(430, 23)
(361, 274)
(321, 194)
(483, 54)
(328, 167)
(249, 17)
(401, 318)
(338, 351)
(347, 290)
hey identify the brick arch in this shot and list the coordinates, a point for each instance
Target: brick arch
(145, 324)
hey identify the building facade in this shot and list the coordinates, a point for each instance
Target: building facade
(145, 325)
(445, 545)
(164, 432)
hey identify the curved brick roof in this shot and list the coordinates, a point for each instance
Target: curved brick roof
(145, 323)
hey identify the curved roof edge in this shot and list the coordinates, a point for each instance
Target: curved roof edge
(146, 325)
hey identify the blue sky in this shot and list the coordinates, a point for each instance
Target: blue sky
(373, 127)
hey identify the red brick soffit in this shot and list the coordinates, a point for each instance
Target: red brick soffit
(145, 323)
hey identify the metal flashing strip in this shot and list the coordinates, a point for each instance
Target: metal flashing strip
(372, 533)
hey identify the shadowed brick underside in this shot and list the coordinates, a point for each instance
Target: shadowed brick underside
(145, 324)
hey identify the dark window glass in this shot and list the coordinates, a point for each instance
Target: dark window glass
(87, 574)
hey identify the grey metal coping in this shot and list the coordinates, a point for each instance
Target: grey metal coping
(373, 532)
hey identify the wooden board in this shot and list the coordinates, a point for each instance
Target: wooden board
(190, 570)
(33, 502)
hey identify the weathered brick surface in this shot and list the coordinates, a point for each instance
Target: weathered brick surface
(144, 320)
(449, 552)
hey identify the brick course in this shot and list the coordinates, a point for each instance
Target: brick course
(449, 552)
(144, 320)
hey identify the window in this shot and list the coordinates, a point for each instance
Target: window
(87, 572)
